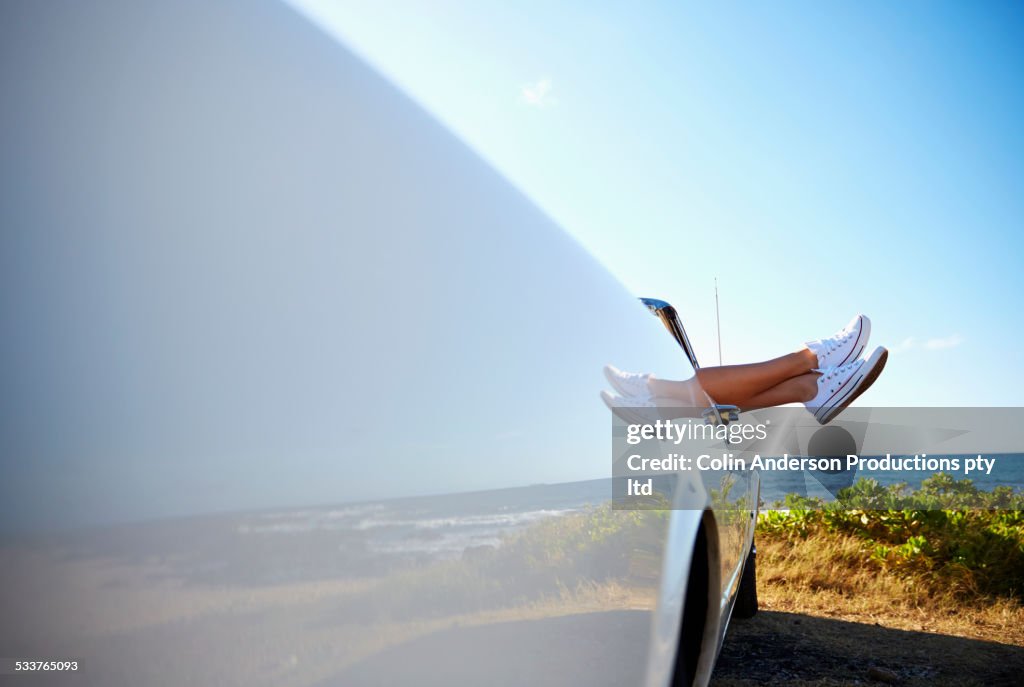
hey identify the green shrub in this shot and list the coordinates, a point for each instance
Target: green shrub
(948, 534)
(548, 559)
(600, 541)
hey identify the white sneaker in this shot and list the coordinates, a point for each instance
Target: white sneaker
(838, 387)
(630, 408)
(630, 384)
(844, 346)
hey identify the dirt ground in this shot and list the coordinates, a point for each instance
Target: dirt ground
(795, 649)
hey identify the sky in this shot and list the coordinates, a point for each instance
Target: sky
(319, 294)
(819, 160)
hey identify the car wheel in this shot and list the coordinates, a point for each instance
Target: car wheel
(695, 612)
(746, 597)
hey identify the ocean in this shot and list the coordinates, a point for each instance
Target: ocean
(366, 539)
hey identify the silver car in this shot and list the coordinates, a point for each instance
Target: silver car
(297, 390)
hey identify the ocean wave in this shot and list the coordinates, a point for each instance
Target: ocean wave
(456, 521)
(375, 518)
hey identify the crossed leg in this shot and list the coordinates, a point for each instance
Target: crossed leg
(787, 379)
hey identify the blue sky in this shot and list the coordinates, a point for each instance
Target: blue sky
(818, 159)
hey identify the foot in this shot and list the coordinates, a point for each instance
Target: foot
(838, 387)
(629, 384)
(629, 408)
(844, 346)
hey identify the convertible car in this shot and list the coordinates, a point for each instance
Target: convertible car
(297, 390)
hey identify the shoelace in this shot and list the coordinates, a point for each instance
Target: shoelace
(833, 343)
(835, 372)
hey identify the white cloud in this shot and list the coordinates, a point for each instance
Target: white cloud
(935, 344)
(946, 342)
(537, 94)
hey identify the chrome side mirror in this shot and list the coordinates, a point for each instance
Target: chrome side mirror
(715, 413)
(670, 318)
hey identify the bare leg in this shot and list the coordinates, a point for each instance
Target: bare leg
(793, 390)
(735, 384)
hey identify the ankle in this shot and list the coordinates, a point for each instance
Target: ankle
(808, 360)
(809, 386)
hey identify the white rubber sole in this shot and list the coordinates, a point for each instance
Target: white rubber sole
(854, 387)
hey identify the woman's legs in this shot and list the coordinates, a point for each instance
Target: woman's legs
(748, 386)
(797, 389)
(794, 390)
(792, 378)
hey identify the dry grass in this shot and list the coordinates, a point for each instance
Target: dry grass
(829, 620)
(138, 624)
(825, 576)
(827, 614)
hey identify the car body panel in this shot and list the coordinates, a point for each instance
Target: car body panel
(290, 373)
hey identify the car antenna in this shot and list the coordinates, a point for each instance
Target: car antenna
(718, 324)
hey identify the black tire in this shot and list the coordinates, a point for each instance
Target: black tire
(746, 597)
(695, 613)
